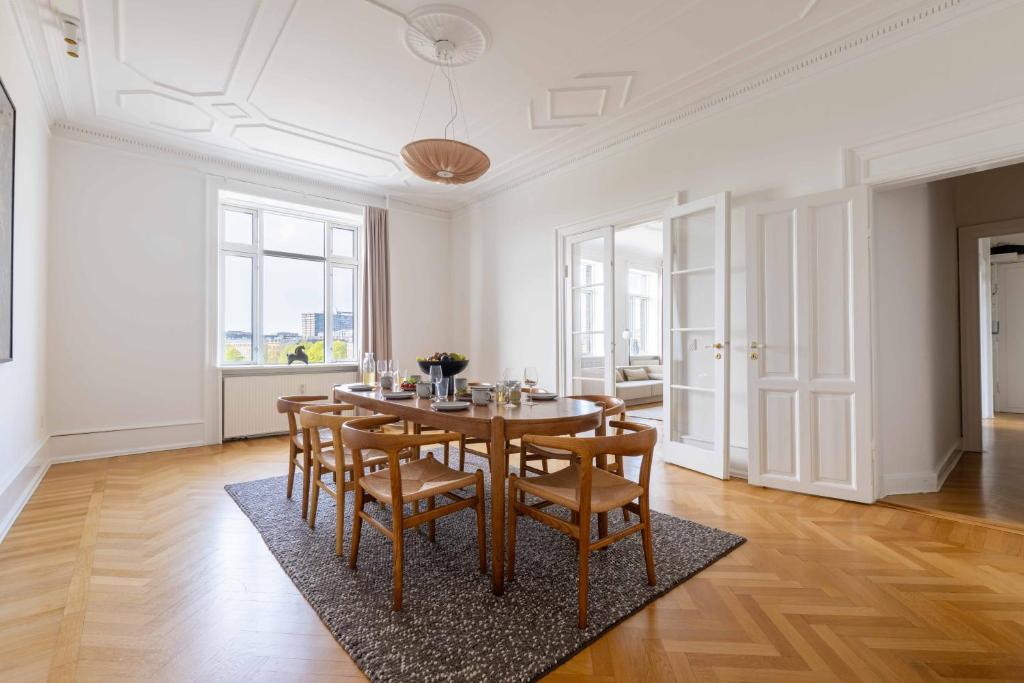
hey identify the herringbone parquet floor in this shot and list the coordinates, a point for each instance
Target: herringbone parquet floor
(142, 568)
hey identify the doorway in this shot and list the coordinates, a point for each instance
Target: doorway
(612, 331)
(980, 480)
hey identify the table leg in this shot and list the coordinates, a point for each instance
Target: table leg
(498, 474)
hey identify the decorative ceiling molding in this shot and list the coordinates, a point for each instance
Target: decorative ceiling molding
(220, 165)
(806, 66)
(614, 84)
(182, 116)
(123, 58)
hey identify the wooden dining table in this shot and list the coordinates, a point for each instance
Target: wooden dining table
(496, 424)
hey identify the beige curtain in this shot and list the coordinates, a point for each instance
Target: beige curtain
(375, 331)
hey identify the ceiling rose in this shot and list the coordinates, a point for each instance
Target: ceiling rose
(427, 25)
(445, 37)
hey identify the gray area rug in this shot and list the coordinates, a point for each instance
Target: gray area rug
(451, 627)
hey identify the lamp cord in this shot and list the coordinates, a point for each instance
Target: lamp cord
(423, 104)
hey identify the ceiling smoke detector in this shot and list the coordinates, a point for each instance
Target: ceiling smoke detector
(445, 35)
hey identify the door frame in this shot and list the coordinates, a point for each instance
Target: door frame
(999, 357)
(651, 209)
(970, 323)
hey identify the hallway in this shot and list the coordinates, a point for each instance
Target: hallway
(988, 486)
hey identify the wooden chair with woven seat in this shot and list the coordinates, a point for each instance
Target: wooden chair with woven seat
(328, 417)
(411, 482)
(299, 442)
(611, 407)
(585, 489)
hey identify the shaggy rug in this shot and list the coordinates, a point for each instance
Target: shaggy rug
(451, 627)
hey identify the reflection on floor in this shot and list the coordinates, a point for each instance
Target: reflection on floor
(646, 412)
(989, 485)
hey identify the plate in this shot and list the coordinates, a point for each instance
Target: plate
(360, 387)
(450, 405)
(396, 395)
(543, 396)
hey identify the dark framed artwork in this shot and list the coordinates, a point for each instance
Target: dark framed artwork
(7, 121)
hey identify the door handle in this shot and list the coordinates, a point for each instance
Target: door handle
(753, 354)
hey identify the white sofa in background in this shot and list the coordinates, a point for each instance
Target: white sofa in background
(637, 384)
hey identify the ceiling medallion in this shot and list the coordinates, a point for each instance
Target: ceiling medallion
(445, 37)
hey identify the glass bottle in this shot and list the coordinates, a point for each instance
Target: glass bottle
(369, 368)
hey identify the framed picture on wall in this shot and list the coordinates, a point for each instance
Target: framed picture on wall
(7, 119)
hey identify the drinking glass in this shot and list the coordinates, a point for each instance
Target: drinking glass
(509, 375)
(435, 378)
(443, 392)
(529, 381)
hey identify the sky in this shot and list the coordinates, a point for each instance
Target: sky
(291, 286)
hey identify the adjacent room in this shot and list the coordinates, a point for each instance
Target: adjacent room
(511, 341)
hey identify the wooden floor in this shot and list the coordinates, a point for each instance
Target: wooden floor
(987, 486)
(142, 568)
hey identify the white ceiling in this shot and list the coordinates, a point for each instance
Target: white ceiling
(327, 88)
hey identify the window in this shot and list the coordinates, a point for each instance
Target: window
(591, 307)
(288, 282)
(644, 314)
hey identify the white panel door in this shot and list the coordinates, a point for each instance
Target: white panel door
(1010, 340)
(810, 352)
(589, 289)
(696, 335)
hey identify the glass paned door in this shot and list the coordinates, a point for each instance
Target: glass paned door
(696, 336)
(588, 295)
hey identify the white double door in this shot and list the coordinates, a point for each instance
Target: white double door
(809, 351)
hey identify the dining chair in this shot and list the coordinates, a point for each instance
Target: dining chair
(611, 407)
(410, 482)
(299, 441)
(584, 490)
(325, 458)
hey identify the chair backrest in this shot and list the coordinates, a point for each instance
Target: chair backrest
(291, 405)
(610, 405)
(633, 439)
(314, 417)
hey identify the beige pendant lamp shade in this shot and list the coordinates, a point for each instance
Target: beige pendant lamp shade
(445, 37)
(445, 161)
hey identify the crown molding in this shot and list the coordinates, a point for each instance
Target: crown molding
(894, 29)
(241, 170)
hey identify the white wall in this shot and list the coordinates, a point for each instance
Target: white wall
(23, 380)
(421, 295)
(918, 336)
(788, 143)
(128, 299)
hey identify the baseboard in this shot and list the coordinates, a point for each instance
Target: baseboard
(106, 444)
(923, 482)
(949, 463)
(20, 487)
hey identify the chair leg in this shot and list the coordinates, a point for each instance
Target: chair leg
(584, 568)
(292, 454)
(462, 453)
(339, 521)
(357, 527)
(447, 453)
(431, 525)
(481, 534)
(307, 478)
(397, 556)
(315, 493)
(645, 532)
(513, 522)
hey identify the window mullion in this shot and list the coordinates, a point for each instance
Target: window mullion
(257, 291)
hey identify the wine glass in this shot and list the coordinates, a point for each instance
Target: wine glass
(436, 375)
(529, 381)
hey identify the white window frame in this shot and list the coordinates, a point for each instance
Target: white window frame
(256, 252)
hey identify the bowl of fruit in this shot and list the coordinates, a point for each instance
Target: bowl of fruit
(451, 363)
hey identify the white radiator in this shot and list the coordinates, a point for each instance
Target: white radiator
(250, 401)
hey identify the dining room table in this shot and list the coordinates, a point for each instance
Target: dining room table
(496, 424)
